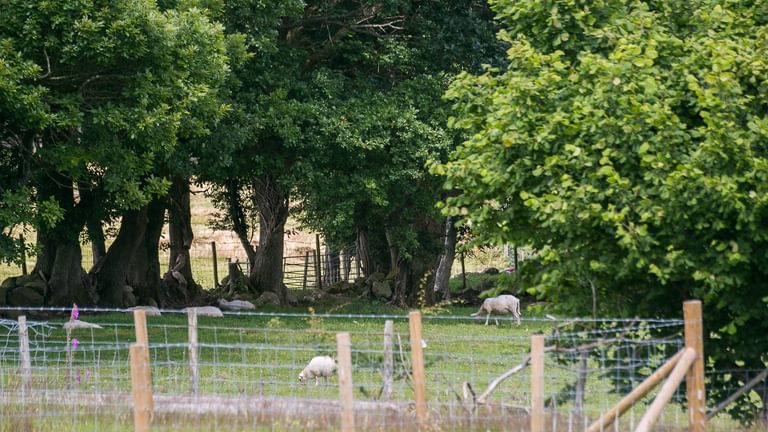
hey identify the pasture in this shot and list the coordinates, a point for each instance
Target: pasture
(249, 365)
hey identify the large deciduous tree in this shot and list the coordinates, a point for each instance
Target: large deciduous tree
(334, 115)
(111, 85)
(627, 142)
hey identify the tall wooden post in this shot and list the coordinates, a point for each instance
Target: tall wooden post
(537, 383)
(26, 364)
(23, 255)
(417, 362)
(517, 262)
(463, 273)
(344, 353)
(389, 364)
(306, 265)
(141, 388)
(194, 373)
(215, 265)
(142, 340)
(232, 271)
(318, 263)
(694, 380)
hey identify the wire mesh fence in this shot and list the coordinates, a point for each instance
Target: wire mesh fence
(242, 371)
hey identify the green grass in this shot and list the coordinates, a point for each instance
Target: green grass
(251, 356)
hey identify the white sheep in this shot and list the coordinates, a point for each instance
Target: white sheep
(503, 304)
(236, 305)
(320, 366)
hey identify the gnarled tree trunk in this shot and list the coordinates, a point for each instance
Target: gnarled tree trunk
(364, 252)
(443, 273)
(239, 222)
(399, 271)
(144, 271)
(110, 276)
(272, 202)
(179, 281)
(60, 259)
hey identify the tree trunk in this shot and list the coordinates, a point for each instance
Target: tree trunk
(60, 259)
(398, 271)
(96, 235)
(239, 222)
(443, 273)
(90, 199)
(111, 276)
(764, 396)
(67, 283)
(179, 280)
(267, 270)
(144, 271)
(394, 252)
(364, 252)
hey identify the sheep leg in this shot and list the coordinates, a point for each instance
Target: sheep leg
(317, 381)
(497, 320)
(487, 317)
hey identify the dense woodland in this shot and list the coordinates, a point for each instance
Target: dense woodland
(625, 141)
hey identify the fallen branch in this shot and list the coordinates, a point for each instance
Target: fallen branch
(527, 359)
(481, 399)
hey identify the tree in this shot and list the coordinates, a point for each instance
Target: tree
(113, 86)
(321, 102)
(626, 142)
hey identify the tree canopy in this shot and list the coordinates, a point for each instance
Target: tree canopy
(626, 142)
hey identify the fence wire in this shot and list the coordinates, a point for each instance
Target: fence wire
(249, 365)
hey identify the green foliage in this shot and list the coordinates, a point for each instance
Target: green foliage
(95, 94)
(626, 142)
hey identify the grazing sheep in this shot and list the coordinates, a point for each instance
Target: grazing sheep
(320, 366)
(503, 304)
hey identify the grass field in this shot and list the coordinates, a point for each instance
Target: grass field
(249, 361)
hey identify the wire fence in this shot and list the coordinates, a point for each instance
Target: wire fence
(242, 371)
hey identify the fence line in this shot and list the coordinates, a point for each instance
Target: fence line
(246, 367)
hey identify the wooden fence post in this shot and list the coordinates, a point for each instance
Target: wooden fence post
(26, 364)
(194, 373)
(344, 353)
(417, 362)
(215, 265)
(694, 380)
(306, 269)
(232, 271)
(318, 263)
(389, 365)
(142, 339)
(141, 388)
(537, 383)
